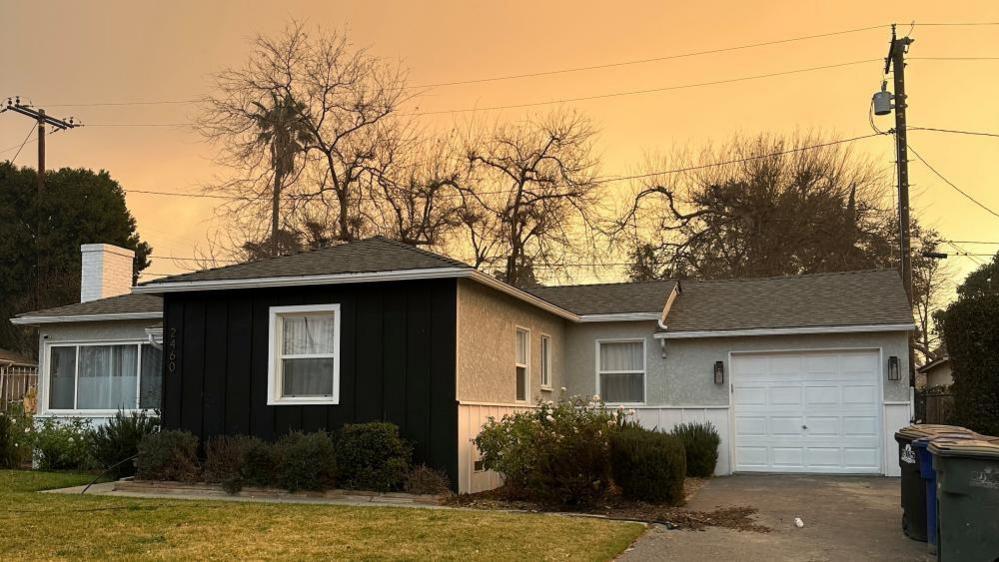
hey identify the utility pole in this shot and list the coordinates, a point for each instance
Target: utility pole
(895, 61)
(39, 115)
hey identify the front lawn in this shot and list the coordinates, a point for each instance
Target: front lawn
(54, 526)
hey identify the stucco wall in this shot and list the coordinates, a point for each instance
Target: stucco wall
(487, 325)
(685, 378)
(79, 332)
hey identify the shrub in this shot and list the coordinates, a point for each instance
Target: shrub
(306, 461)
(648, 465)
(700, 441)
(971, 331)
(556, 453)
(168, 455)
(119, 439)
(425, 480)
(225, 459)
(372, 456)
(62, 444)
(9, 455)
(260, 463)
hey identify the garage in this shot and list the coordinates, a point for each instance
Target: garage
(807, 411)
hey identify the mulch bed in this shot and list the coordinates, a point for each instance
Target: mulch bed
(739, 518)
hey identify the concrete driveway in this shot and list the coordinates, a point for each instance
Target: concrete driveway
(846, 518)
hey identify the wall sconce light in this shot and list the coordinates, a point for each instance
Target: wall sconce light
(893, 372)
(719, 372)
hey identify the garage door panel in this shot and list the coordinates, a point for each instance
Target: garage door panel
(807, 412)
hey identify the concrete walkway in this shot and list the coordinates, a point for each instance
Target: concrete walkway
(846, 518)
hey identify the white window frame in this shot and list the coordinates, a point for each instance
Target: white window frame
(526, 366)
(546, 361)
(274, 356)
(46, 380)
(645, 369)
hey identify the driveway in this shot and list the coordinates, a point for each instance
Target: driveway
(846, 518)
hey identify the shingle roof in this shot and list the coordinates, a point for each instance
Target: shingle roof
(857, 298)
(123, 304)
(361, 256)
(611, 298)
(8, 357)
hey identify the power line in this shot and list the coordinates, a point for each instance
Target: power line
(973, 242)
(955, 131)
(31, 130)
(125, 103)
(646, 91)
(948, 182)
(16, 146)
(954, 58)
(644, 61)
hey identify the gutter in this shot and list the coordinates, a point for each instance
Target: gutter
(854, 329)
(39, 320)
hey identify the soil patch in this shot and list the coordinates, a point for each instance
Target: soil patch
(739, 518)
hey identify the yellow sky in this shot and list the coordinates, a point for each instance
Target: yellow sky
(79, 53)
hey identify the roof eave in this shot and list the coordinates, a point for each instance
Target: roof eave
(803, 330)
(121, 316)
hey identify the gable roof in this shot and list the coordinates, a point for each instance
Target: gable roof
(123, 307)
(848, 299)
(609, 298)
(372, 255)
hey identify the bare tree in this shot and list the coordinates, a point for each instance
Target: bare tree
(531, 194)
(930, 278)
(343, 102)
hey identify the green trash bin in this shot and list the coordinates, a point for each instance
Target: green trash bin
(913, 489)
(967, 498)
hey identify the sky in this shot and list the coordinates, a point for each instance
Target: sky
(67, 56)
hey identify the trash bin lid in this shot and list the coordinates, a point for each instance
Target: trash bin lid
(984, 448)
(915, 431)
(924, 442)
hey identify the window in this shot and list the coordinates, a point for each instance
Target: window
(621, 371)
(304, 365)
(104, 377)
(546, 362)
(521, 365)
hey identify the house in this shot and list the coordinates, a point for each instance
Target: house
(798, 374)
(937, 373)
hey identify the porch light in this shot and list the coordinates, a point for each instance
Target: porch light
(893, 374)
(719, 372)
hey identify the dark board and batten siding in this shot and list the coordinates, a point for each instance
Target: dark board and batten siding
(397, 363)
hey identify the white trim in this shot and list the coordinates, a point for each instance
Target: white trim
(787, 331)
(546, 360)
(496, 404)
(342, 278)
(526, 366)
(645, 369)
(35, 320)
(45, 373)
(896, 403)
(621, 317)
(647, 406)
(273, 372)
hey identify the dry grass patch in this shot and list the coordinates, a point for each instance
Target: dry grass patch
(48, 526)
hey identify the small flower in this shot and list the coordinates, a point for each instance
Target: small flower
(550, 418)
(610, 423)
(70, 439)
(632, 412)
(596, 398)
(564, 389)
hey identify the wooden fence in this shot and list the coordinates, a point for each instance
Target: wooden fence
(15, 382)
(934, 407)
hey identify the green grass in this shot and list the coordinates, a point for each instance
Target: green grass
(54, 526)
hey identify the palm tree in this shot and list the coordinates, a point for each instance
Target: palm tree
(285, 134)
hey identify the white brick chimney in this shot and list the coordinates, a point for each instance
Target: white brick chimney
(106, 271)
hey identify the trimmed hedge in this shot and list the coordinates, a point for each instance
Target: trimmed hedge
(306, 461)
(971, 331)
(168, 455)
(648, 465)
(700, 441)
(372, 456)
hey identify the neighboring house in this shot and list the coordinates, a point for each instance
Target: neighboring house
(18, 375)
(802, 374)
(100, 354)
(937, 372)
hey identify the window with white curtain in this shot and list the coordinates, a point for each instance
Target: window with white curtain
(546, 361)
(621, 371)
(521, 365)
(304, 365)
(104, 377)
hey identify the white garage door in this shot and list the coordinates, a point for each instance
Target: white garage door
(807, 412)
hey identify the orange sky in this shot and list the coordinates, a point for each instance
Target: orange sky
(80, 53)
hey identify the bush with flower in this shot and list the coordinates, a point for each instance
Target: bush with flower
(62, 444)
(556, 453)
(16, 437)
